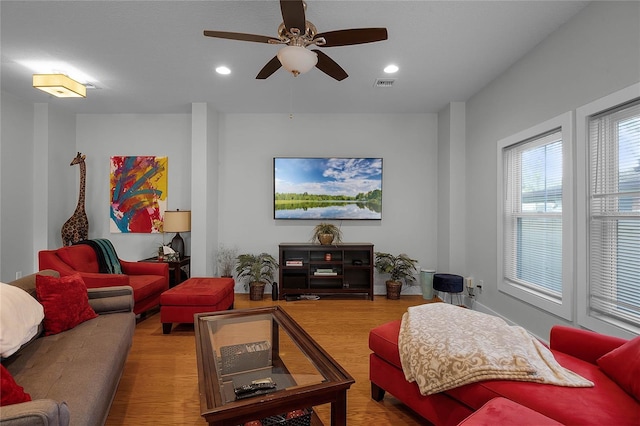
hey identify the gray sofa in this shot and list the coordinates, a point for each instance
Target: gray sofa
(73, 376)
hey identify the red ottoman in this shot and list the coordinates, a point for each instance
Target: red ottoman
(193, 296)
(502, 411)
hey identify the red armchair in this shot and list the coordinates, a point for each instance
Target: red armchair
(148, 280)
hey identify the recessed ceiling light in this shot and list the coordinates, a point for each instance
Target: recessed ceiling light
(390, 69)
(223, 70)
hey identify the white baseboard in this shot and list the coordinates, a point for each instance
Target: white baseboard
(476, 306)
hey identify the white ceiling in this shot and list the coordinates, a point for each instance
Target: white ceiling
(151, 56)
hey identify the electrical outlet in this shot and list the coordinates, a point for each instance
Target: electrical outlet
(18, 275)
(480, 284)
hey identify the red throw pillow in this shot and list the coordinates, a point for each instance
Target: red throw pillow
(65, 302)
(622, 365)
(10, 391)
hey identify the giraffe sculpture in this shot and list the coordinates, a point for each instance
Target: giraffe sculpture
(77, 227)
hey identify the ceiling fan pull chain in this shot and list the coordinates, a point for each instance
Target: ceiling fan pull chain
(292, 80)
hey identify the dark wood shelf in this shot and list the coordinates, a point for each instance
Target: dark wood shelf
(353, 264)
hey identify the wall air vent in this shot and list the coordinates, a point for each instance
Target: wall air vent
(384, 82)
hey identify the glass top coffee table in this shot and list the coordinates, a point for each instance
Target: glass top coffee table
(258, 363)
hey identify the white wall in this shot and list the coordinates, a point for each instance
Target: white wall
(204, 189)
(451, 203)
(36, 148)
(407, 143)
(60, 180)
(16, 188)
(101, 136)
(594, 54)
(237, 180)
(228, 173)
(443, 204)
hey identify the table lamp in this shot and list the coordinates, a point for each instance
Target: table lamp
(177, 221)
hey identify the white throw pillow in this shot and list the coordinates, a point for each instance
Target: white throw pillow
(20, 315)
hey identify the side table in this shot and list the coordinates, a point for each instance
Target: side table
(175, 267)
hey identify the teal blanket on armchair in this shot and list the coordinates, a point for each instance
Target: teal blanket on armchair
(105, 252)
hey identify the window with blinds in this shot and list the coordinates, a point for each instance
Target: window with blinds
(614, 214)
(533, 214)
(534, 227)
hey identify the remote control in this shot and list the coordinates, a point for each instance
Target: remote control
(254, 394)
(246, 389)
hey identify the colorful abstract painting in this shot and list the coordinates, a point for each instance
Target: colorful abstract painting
(138, 194)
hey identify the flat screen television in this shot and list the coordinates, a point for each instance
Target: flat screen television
(327, 188)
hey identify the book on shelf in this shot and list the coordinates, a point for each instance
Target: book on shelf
(326, 273)
(293, 262)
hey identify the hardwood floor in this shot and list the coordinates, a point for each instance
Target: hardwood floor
(159, 385)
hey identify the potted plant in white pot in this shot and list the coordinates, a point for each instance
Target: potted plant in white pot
(326, 233)
(257, 271)
(400, 267)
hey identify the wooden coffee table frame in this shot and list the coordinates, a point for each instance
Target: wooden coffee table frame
(333, 390)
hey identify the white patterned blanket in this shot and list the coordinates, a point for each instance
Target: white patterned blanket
(444, 346)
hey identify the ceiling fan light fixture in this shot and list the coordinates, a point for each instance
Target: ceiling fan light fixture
(296, 59)
(59, 85)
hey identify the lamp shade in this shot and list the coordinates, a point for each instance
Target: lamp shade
(59, 85)
(177, 221)
(297, 60)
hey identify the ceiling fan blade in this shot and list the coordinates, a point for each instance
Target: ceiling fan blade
(272, 66)
(353, 36)
(293, 14)
(240, 36)
(330, 67)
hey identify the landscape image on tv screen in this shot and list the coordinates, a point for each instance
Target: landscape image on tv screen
(327, 188)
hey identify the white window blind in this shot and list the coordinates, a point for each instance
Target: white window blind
(614, 214)
(535, 233)
(532, 227)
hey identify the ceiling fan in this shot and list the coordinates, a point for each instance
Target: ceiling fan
(297, 34)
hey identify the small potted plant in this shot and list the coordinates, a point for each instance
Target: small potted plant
(326, 233)
(257, 271)
(400, 267)
(226, 258)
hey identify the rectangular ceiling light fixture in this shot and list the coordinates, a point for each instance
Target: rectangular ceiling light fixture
(59, 85)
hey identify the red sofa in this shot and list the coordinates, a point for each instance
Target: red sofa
(147, 279)
(578, 350)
